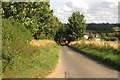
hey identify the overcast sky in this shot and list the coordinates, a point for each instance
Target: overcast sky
(97, 11)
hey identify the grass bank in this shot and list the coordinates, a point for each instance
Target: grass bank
(32, 61)
(23, 57)
(103, 53)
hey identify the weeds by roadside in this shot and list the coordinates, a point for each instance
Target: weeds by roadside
(105, 53)
(22, 59)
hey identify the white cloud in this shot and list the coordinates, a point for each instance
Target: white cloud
(66, 8)
(104, 11)
(79, 4)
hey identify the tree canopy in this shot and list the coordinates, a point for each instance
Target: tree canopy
(36, 16)
(77, 24)
(72, 30)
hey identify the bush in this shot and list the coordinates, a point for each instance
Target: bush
(114, 39)
(110, 36)
(14, 37)
(14, 31)
(22, 60)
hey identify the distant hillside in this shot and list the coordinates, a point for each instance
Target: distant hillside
(101, 28)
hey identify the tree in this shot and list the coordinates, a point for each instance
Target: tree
(77, 24)
(72, 30)
(64, 35)
(37, 17)
(59, 33)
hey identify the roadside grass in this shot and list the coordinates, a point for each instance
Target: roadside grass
(106, 54)
(23, 59)
(32, 61)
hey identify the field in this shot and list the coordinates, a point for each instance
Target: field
(104, 51)
(113, 44)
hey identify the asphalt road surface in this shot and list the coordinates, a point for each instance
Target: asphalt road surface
(72, 64)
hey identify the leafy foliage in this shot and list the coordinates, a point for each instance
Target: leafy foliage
(36, 16)
(108, 32)
(14, 31)
(20, 58)
(13, 34)
(101, 27)
(72, 30)
(77, 24)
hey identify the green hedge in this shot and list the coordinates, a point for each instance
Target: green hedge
(14, 37)
(14, 31)
(22, 60)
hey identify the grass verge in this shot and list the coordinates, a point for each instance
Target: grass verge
(31, 61)
(23, 59)
(107, 57)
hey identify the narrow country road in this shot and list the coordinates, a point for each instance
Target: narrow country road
(71, 64)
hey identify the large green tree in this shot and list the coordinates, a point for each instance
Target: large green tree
(36, 16)
(77, 24)
(72, 30)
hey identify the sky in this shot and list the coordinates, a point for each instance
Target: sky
(95, 11)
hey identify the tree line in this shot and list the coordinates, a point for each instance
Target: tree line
(38, 18)
(73, 30)
(102, 27)
(107, 31)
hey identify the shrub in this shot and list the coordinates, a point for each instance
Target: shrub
(14, 31)
(19, 58)
(14, 37)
